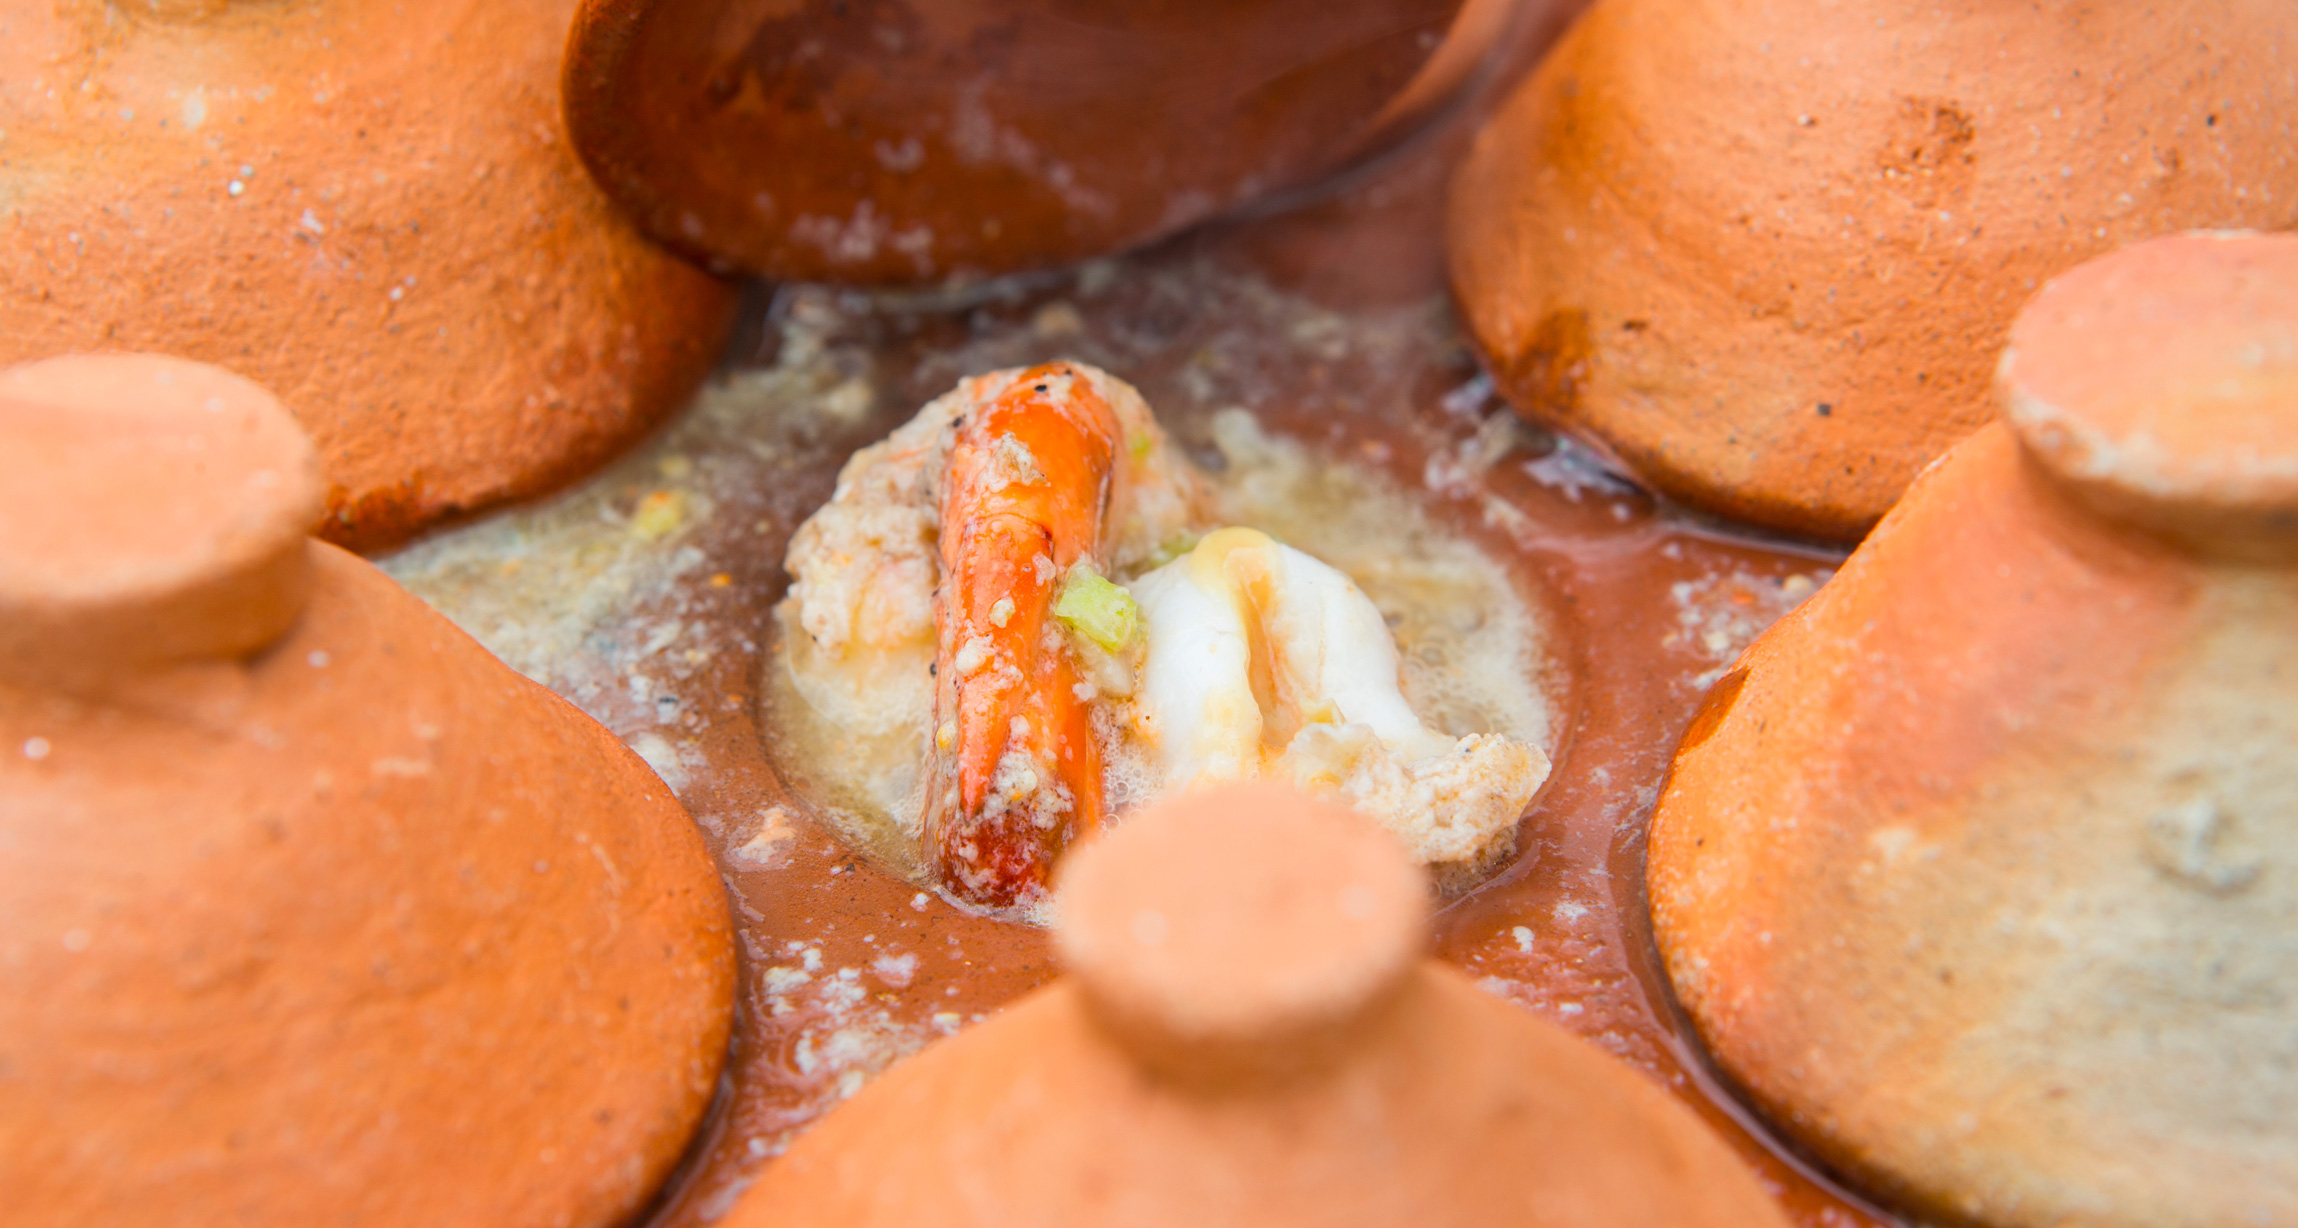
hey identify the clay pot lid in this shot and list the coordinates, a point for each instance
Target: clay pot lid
(335, 960)
(884, 141)
(2159, 385)
(1765, 253)
(1249, 1037)
(1245, 933)
(151, 509)
(367, 207)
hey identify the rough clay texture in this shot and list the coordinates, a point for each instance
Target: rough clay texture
(1437, 1104)
(889, 141)
(1980, 872)
(2125, 375)
(1767, 251)
(369, 208)
(1460, 1110)
(1280, 949)
(362, 930)
(160, 569)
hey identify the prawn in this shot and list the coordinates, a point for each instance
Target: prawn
(1016, 772)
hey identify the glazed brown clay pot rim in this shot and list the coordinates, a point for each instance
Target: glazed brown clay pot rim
(688, 201)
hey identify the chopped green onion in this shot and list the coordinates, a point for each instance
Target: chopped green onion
(1097, 609)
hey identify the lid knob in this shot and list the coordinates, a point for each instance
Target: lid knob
(1245, 934)
(2158, 385)
(151, 510)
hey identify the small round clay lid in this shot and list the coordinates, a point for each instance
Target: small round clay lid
(2159, 385)
(1250, 1038)
(889, 141)
(1246, 934)
(151, 510)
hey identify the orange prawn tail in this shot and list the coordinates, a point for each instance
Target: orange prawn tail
(1016, 772)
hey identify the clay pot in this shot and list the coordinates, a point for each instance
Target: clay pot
(887, 141)
(311, 911)
(1766, 252)
(1250, 1036)
(1978, 872)
(368, 207)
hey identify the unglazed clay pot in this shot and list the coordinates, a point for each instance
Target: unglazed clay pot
(311, 912)
(369, 208)
(1250, 1036)
(892, 141)
(1766, 251)
(1980, 872)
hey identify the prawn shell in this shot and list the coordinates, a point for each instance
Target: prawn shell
(1017, 771)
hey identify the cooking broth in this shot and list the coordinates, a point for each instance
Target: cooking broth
(646, 597)
(1469, 641)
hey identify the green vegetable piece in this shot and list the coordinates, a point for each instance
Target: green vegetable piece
(1097, 609)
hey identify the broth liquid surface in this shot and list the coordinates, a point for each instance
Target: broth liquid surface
(646, 597)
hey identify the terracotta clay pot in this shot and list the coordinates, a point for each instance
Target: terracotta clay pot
(1766, 252)
(891, 141)
(311, 911)
(1250, 1036)
(367, 207)
(1979, 871)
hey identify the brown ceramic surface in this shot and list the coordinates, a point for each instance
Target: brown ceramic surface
(645, 596)
(331, 918)
(1767, 252)
(1976, 871)
(370, 209)
(887, 141)
(1250, 1038)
